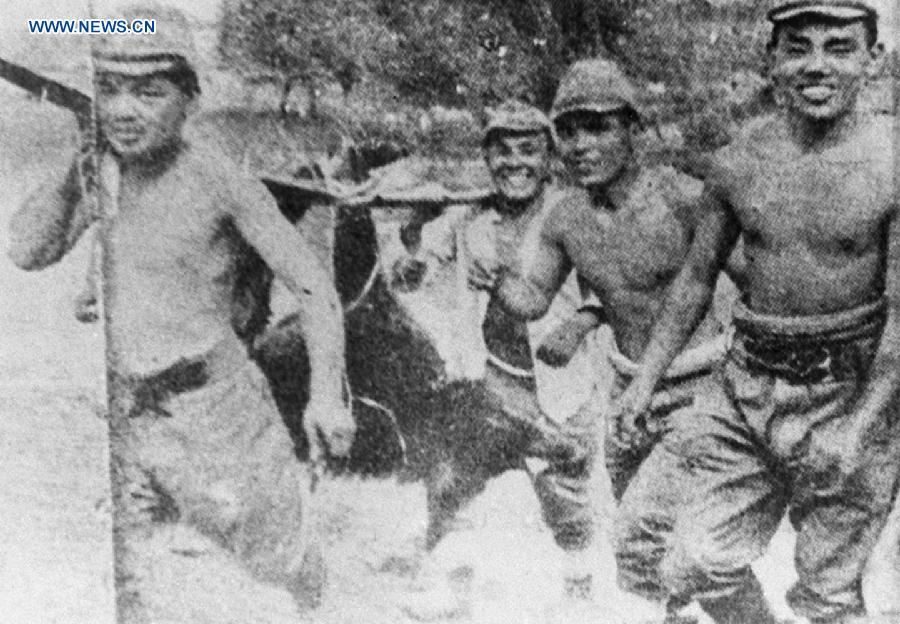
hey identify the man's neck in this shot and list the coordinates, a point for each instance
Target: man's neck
(152, 164)
(514, 208)
(613, 195)
(816, 135)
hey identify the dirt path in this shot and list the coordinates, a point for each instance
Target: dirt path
(55, 555)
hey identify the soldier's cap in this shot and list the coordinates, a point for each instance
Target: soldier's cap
(596, 86)
(170, 47)
(517, 116)
(783, 10)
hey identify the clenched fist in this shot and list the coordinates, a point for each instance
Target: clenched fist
(331, 423)
(559, 346)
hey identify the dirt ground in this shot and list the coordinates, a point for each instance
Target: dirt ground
(55, 555)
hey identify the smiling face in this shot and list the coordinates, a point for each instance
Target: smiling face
(595, 147)
(819, 66)
(519, 163)
(140, 115)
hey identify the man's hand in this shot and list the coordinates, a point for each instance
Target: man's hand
(407, 273)
(627, 418)
(559, 346)
(331, 423)
(583, 431)
(86, 308)
(484, 274)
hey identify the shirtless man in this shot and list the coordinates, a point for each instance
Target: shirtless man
(802, 414)
(626, 231)
(196, 438)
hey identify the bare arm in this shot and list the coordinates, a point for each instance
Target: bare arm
(289, 255)
(49, 223)
(426, 242)
(692, 291)
(559, 346)
(884, 374)
(411, 231)
(529, 293)
(688, 298)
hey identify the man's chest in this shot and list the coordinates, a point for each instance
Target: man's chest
(169, 232)
(821, 204)
(632, 250)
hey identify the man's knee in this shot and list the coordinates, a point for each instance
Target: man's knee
(639, 542)
(831, 608)
(703, 571)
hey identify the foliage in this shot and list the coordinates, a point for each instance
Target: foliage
(697, 57)
(307, 42)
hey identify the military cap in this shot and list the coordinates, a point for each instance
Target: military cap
(169, 47)
(597, 86)
(783, 10)
(516, 116)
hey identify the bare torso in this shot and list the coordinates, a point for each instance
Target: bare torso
(630, 255)
(814, 225)
(170, 278)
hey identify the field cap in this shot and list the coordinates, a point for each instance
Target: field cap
(517, 116)
(783, 10)
(596, 86)
(170, 47)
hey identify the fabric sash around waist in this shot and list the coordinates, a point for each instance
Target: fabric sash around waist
(509, 369)
(809, 349)
(865, 321)
(140, 394)
(700, 359)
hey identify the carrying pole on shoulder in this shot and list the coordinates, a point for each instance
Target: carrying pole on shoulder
(100, 186)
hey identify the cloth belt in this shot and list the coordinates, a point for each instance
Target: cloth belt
(700, 359)
(509, 369)
(145, 395)
(809, 349)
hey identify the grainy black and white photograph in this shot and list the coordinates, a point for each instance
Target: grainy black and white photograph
(450, 312)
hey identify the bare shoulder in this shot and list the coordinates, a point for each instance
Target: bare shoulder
(875, 142)
(757, 147)
(758, 141)
(675, 188)
(222, 179)
(565, 200)
(876, 147)
(565, 208)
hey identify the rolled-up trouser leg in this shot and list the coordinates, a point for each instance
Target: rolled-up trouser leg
(843, 494)
(645, 521)
(733, 506)
(563, 490)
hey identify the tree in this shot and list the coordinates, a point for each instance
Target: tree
(303, 43)
(471, 52)
(474, 53)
